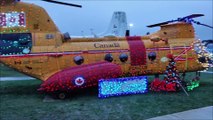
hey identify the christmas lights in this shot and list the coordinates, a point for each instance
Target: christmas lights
(122, 86)
(171, 78)
(12, 19)
(193, 85)
(203, 56)
(18, 43)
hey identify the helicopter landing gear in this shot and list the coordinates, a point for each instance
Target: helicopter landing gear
(156, 75)
(62, 95)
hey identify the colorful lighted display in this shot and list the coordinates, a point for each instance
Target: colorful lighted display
(87, 76)
(203, 56)
(171, 78)
(122, 86)
(13, 44)
(31, 43)
(193, 85)
(12, 19)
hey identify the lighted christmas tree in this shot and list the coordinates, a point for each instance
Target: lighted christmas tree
(171, 81)
(171, 75)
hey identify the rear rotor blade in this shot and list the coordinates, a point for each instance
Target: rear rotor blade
(158, 24)
(163, 23)
(62, 3)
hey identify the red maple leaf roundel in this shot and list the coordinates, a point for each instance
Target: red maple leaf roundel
(79, 81)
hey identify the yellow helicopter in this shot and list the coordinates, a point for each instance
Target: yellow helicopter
(32, 44)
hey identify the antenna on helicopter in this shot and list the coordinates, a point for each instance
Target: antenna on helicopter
(95, 36)
(82, 33)
(62, 3)
(187, 19)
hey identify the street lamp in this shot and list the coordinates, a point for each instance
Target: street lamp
(130, 25)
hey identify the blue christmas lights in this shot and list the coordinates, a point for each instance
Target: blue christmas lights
(122, 86)
(15, 43)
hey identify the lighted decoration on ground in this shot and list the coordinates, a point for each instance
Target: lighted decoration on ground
(171, 80)
(122, 86)
(193, 84)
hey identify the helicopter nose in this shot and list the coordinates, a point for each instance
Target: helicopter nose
(203, 59)
(204, 56)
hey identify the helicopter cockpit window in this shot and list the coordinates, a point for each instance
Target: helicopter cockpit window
(66, 36)
(12, 19)
(15, 43)
(78, 60)
(108, 57)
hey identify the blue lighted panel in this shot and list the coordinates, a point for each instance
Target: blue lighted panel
(15, 43)
(122, 86)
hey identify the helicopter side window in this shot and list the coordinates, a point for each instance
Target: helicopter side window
(152, 56)
(49, 36)
(108, 57)
(78, 60)
(123, 57)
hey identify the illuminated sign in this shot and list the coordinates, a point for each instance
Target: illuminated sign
(122, 86)
(12, 19)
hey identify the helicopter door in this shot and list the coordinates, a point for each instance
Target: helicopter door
(180, 54)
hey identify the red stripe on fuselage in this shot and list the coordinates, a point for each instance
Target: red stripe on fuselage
(168, 48)
(64, 53)
(137, 51)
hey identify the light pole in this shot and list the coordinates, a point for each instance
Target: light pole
(130, 25)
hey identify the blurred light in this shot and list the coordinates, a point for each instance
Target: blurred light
(131, 24)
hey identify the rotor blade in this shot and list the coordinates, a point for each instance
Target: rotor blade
(62, 3)
(163, 23)
(179, 19)
(158, 24)
(192, 16)
(198, 23)
(205, 25)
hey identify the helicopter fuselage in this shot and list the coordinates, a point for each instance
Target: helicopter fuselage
(38, 49)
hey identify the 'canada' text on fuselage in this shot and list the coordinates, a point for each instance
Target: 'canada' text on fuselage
(99, 45)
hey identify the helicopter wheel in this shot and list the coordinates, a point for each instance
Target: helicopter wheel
(62, 95)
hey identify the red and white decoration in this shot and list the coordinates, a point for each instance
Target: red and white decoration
(12, 19)
(79, 81)
(82, 76)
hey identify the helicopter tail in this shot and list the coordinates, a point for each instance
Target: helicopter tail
(118, 25)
